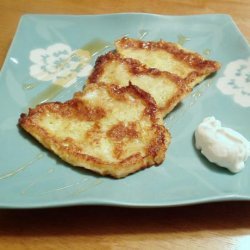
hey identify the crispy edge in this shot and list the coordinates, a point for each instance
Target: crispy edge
(135, 67)
(201, 66)
(155, 151)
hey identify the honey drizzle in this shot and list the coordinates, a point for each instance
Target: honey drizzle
(96, 46)
(207, 52)
(142, 34)
(46, 95)
(86, 188)
(89, 50)
(65, 187)
(22, 167)
(192, 100)
(182, 39)
(34, 182)
(29, 86)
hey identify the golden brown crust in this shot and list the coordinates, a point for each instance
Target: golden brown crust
(134, 66)
(119, 93)
(193, 59)
(120, 131)
(200, 66)
(135, 69)
(67, 128)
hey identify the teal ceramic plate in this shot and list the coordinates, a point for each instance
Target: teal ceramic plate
(49, 49)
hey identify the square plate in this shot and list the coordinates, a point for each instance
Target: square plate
(30, 176)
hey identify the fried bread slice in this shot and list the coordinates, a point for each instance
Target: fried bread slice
(170, 57)
(167, 89)
(108, 129)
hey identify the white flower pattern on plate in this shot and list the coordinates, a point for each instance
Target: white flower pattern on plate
(236, 81)
(60, 64)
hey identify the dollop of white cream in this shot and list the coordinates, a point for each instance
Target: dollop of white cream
(223, 146)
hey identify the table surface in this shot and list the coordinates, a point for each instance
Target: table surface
(208, 226)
